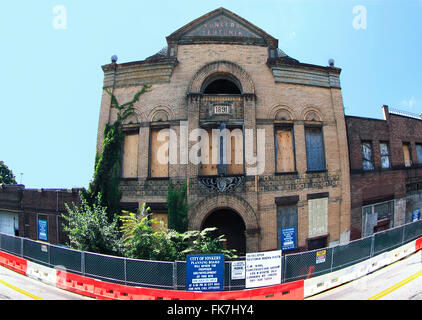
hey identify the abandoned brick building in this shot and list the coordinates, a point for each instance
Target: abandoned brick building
(221, 71)
(260, 138)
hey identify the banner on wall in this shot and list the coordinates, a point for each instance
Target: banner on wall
(263, 269)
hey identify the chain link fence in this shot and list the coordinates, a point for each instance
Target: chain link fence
(172, 275)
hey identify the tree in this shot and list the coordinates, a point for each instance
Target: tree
(6, 175)
(90, 230)
(107, 164)
(177, 205)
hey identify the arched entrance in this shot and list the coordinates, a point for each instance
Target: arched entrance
(231, 224)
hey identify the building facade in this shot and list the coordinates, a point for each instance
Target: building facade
(386, 171)
(259, 137)
(35, 213)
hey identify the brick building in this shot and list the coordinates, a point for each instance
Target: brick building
(280, 122)
(386, 171)
(35, 213)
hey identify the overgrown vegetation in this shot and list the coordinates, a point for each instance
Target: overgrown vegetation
(141, 241)
(107, 164)
(6, 175)
(90, 230)
(177, 205)
(96, 225)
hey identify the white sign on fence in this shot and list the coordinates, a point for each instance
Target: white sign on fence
(263, 269)
(238, 270)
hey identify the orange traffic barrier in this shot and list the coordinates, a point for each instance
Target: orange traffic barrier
(75, 283)
(419, 244)
(12, 262)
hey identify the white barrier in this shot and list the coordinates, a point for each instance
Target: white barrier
(319, 284)
(42, 273)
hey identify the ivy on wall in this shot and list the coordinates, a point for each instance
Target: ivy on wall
(107, 164)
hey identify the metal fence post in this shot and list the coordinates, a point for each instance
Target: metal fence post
(125, 268)
(21, 247)
(332, 259)
(83, 262)
(372, 245)
(174, 275)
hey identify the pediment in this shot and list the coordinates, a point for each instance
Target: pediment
(221, 26)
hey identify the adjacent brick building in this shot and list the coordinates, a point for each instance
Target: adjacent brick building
(386, 171)
(220, 71)
(35, 213)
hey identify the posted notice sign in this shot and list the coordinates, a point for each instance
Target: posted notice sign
(238, 270)
(205, 272)
(263, 269)
(42, 230)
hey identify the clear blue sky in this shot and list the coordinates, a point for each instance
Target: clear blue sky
(51, 79)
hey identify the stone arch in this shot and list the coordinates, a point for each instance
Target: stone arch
(203, 209)
(160, 113)
(134, 118)
(282, 111)
(311, 113)
(221, 67)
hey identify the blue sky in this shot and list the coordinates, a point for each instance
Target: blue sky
(51, 80)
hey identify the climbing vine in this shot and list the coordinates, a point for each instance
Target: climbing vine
(107, 164)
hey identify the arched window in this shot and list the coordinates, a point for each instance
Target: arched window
(221, 84)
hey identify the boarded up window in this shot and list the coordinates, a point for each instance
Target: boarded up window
(419, 153)
(315, 154)
(209, 160)
(231, 156)
(406, 155)
(367, 160)
(162, 221)
(130, 156)
(234, 147)
(285, 161)
(159, 153)
(385, 155)
(286, 218)
(318, 217)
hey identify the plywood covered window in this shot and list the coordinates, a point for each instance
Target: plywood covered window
(225, 152)
(317, 217)
(367, 157)
(234, 147)
(315, 153)
(209, 160)
(130, 156)
(284, 150)
(406, 155)
(159, 152)
(287, 219)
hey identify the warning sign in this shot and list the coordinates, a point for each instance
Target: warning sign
(321, 256)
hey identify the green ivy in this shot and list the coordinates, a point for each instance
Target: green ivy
(107, 164)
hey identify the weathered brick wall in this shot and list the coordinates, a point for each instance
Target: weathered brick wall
(249, 64)
(381, 184)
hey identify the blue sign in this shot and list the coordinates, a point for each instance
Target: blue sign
(205, 272)
(42, 230)
(416, 215)
(288, 238)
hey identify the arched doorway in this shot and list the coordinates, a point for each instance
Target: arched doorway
(231, 224)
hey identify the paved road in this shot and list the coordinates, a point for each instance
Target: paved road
(400, 281)
(14, 286)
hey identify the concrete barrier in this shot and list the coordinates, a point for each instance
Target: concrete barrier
(42, 273)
